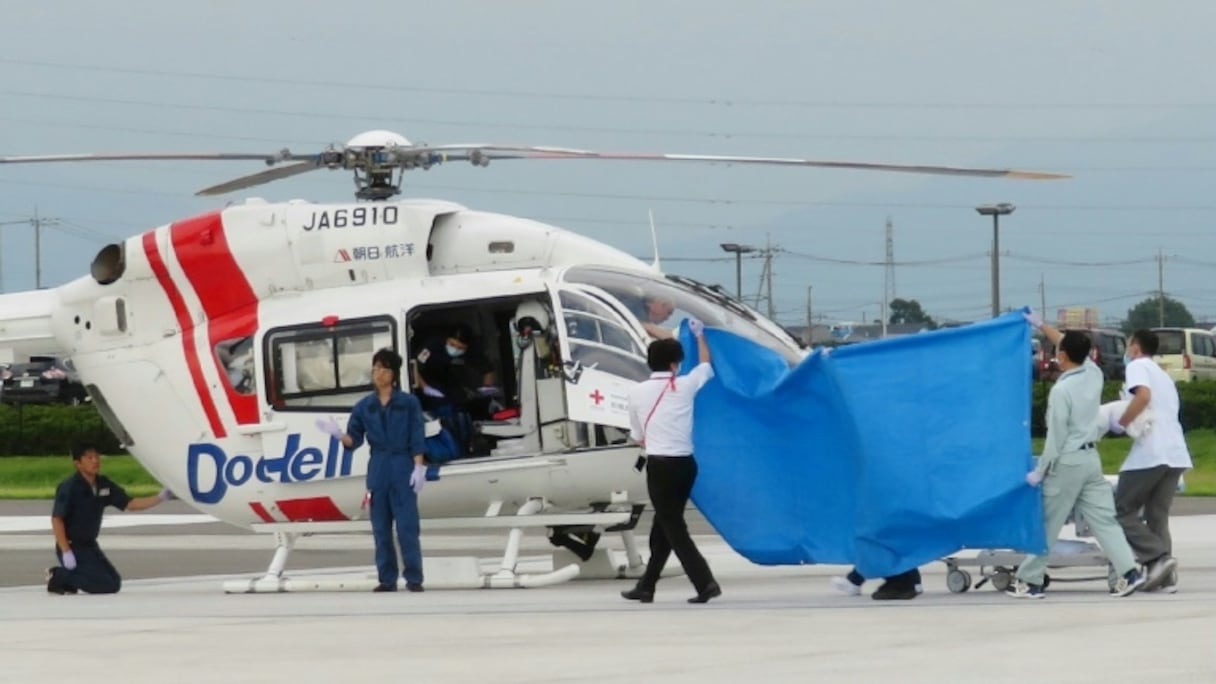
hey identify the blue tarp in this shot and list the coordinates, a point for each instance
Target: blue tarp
(886, 455)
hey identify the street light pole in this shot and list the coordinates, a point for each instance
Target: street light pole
(996, 211)
(738, 250)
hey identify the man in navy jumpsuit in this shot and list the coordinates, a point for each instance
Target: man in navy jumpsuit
(391, 422)
(80, 502)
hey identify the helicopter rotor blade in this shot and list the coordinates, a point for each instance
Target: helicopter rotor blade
(490, 151)
(139, 156)
(259, 178)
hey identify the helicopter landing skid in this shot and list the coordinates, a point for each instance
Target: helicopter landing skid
(509, 571)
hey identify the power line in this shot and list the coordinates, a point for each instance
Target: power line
(601, 97)
(1057, 262)
(615, 130)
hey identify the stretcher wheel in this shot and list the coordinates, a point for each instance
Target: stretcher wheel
(1002, 580)
(958, 581)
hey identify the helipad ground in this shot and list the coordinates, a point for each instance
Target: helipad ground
(781, 624)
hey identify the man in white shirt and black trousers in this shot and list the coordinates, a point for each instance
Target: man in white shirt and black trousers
(660, 419)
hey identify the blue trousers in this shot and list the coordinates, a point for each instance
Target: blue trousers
(396, 503)
(94, 573)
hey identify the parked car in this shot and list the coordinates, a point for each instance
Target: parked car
(1186, 354)
(1046, 367)
(44, 380)
(1106, 351)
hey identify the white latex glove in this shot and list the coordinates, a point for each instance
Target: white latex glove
(1033, 318)
(696, 327)
(1114, 426)
(166, 495)
(1033, 478)
(418, 478)
(329, 426)
(69, 560)
(432, 392)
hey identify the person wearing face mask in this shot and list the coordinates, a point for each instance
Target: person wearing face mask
(449, 373)
(456, 383)
(1149, 476)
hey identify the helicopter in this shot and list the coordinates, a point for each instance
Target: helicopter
(211, 345)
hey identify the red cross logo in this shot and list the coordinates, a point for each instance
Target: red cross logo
(596, 397)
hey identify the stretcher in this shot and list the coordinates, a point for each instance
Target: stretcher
(999, 566)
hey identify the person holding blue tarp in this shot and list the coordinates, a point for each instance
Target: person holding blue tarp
(1069, 469)
(661, 420)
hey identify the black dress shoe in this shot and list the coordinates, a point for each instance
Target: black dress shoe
(891, 592)
(385, 587)
(711, 591)
(636, 594)
(416, 588)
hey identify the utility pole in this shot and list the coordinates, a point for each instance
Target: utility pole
(37, 222)
(809, 324)
(768, 256)
(888, 276)
(1042, 296)
(1160, 289)
(888, 285)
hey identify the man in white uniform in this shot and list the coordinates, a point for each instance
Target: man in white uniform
(660, 419)
(1149, 476)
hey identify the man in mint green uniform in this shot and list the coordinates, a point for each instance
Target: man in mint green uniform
(1069, 469)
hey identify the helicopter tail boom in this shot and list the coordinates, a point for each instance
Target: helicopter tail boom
(25, 324)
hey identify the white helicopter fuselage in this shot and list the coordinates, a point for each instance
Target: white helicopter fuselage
(305, 293)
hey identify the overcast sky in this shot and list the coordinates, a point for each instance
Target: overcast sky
(1117, 93)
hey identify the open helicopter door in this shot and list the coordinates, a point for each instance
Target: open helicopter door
(602, 358)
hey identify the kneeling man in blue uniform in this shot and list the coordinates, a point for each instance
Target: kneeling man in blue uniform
(80, 502)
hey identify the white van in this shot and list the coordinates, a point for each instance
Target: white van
(1186, 354)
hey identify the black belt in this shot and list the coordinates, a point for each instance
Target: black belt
(1087, 445)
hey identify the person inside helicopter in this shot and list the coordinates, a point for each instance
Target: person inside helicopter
(456, 382)
(656, 311)
(452, 371)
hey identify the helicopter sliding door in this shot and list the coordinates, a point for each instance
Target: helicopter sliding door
(603, 357)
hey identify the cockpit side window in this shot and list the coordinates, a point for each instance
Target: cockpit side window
(236, 357)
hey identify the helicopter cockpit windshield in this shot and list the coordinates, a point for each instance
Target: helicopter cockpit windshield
(660, 305)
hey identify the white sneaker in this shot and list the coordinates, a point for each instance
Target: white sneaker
(1128, 584)
(920, 589)
(1159, 572)
(1025, 590)
(845, 587)
(1171, 584)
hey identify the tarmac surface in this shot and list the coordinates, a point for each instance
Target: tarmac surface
(173, 622)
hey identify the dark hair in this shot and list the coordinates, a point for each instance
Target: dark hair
(80, 450)
(389, 359)
(1148, 341)
(1076, 345)
(461, 333)
(662, 353)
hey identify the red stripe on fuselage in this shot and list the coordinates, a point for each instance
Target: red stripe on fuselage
(228, 300)
(183, 320)
(315, 509)
(261, 511)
